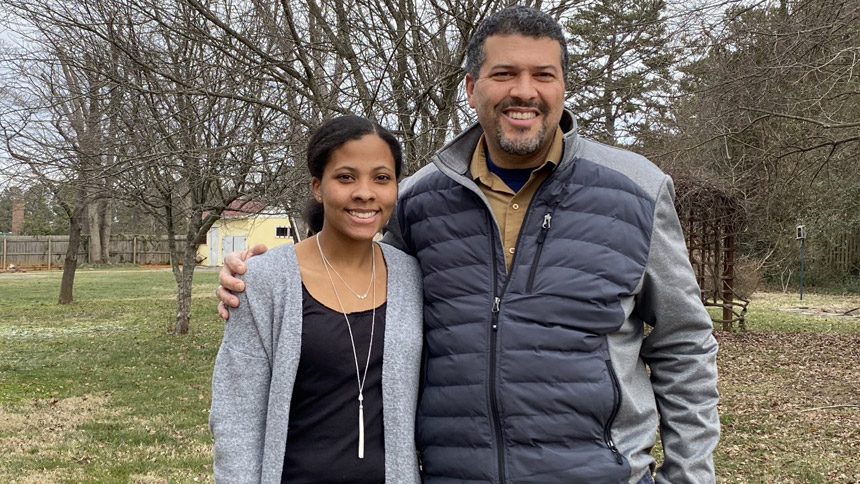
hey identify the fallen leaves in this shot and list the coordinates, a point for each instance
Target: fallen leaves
(790, 406)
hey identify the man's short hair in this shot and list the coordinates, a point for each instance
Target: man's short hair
(517, 20)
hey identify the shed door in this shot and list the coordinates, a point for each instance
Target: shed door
(213, 247)
(232, 243)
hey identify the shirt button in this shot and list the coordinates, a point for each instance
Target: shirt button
(515, 206)
(511, 250)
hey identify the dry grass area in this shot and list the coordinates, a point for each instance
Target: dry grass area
(57, 432)
(38, 429)
(53, 418)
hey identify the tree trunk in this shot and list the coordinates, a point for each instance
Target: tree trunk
(184, 279)
(106, 222)
(183, 301)
(183, 273)
(609, 106)
(71, 262)
(94, 247)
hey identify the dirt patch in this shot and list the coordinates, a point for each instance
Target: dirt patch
(841, 311)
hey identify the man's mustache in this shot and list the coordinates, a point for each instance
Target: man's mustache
(513, 103)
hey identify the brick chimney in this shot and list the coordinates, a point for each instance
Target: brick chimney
(17, 216)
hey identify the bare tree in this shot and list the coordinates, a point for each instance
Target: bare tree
(397, 61)
(773, 107)
(164, 114)
(193, 144)
(56, 122)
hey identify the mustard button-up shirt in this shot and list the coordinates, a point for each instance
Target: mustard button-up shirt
(509, 207)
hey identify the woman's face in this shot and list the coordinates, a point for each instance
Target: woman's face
(358, 188)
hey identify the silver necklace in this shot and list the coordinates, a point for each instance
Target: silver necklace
(361, 379)
(328, 266)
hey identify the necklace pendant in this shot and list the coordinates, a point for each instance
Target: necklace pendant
(361, 296)
(360, 426)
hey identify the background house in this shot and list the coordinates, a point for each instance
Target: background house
(243, 225)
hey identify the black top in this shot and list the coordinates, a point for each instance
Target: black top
(322, 439)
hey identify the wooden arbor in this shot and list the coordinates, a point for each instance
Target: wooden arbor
(711, 218)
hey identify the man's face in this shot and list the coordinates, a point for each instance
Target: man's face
(519, 98)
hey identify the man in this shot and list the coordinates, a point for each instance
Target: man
(544, 255)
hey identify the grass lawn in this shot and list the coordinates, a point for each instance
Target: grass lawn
(100, 392)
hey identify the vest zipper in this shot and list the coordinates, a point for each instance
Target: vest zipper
(494, 335)
(494, 325)
(616, 404)
(494, 404)
(552, 203)
(497, 301)
(544, 228)
(420, 465)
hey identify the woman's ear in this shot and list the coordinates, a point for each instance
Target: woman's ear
(316, 188)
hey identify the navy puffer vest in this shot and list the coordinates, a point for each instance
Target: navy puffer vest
(518, 385)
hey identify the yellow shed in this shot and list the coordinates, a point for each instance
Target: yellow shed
(245, 226)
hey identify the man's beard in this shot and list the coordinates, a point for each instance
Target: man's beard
(521, 146)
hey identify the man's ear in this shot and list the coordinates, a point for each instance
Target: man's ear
(470, 90)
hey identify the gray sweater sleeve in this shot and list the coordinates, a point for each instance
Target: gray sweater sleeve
(240, 393)
(681, 353)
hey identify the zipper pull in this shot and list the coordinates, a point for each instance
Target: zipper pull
(616, 452)
(495, 310)
(547, 221)
(496, 303)
(544, 227)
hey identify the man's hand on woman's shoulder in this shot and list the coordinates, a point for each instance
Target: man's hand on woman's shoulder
(234, 264)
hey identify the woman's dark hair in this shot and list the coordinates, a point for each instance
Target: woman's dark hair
(333, 134)
(314, 216)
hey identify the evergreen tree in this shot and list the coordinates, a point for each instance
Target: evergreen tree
(42, 216)
(6, 198)
(619, 68)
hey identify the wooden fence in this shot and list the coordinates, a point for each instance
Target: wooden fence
(840, 251)
(49, 251)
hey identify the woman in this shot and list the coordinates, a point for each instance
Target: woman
(316, 378)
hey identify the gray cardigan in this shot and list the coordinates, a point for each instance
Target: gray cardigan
(256, 367)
